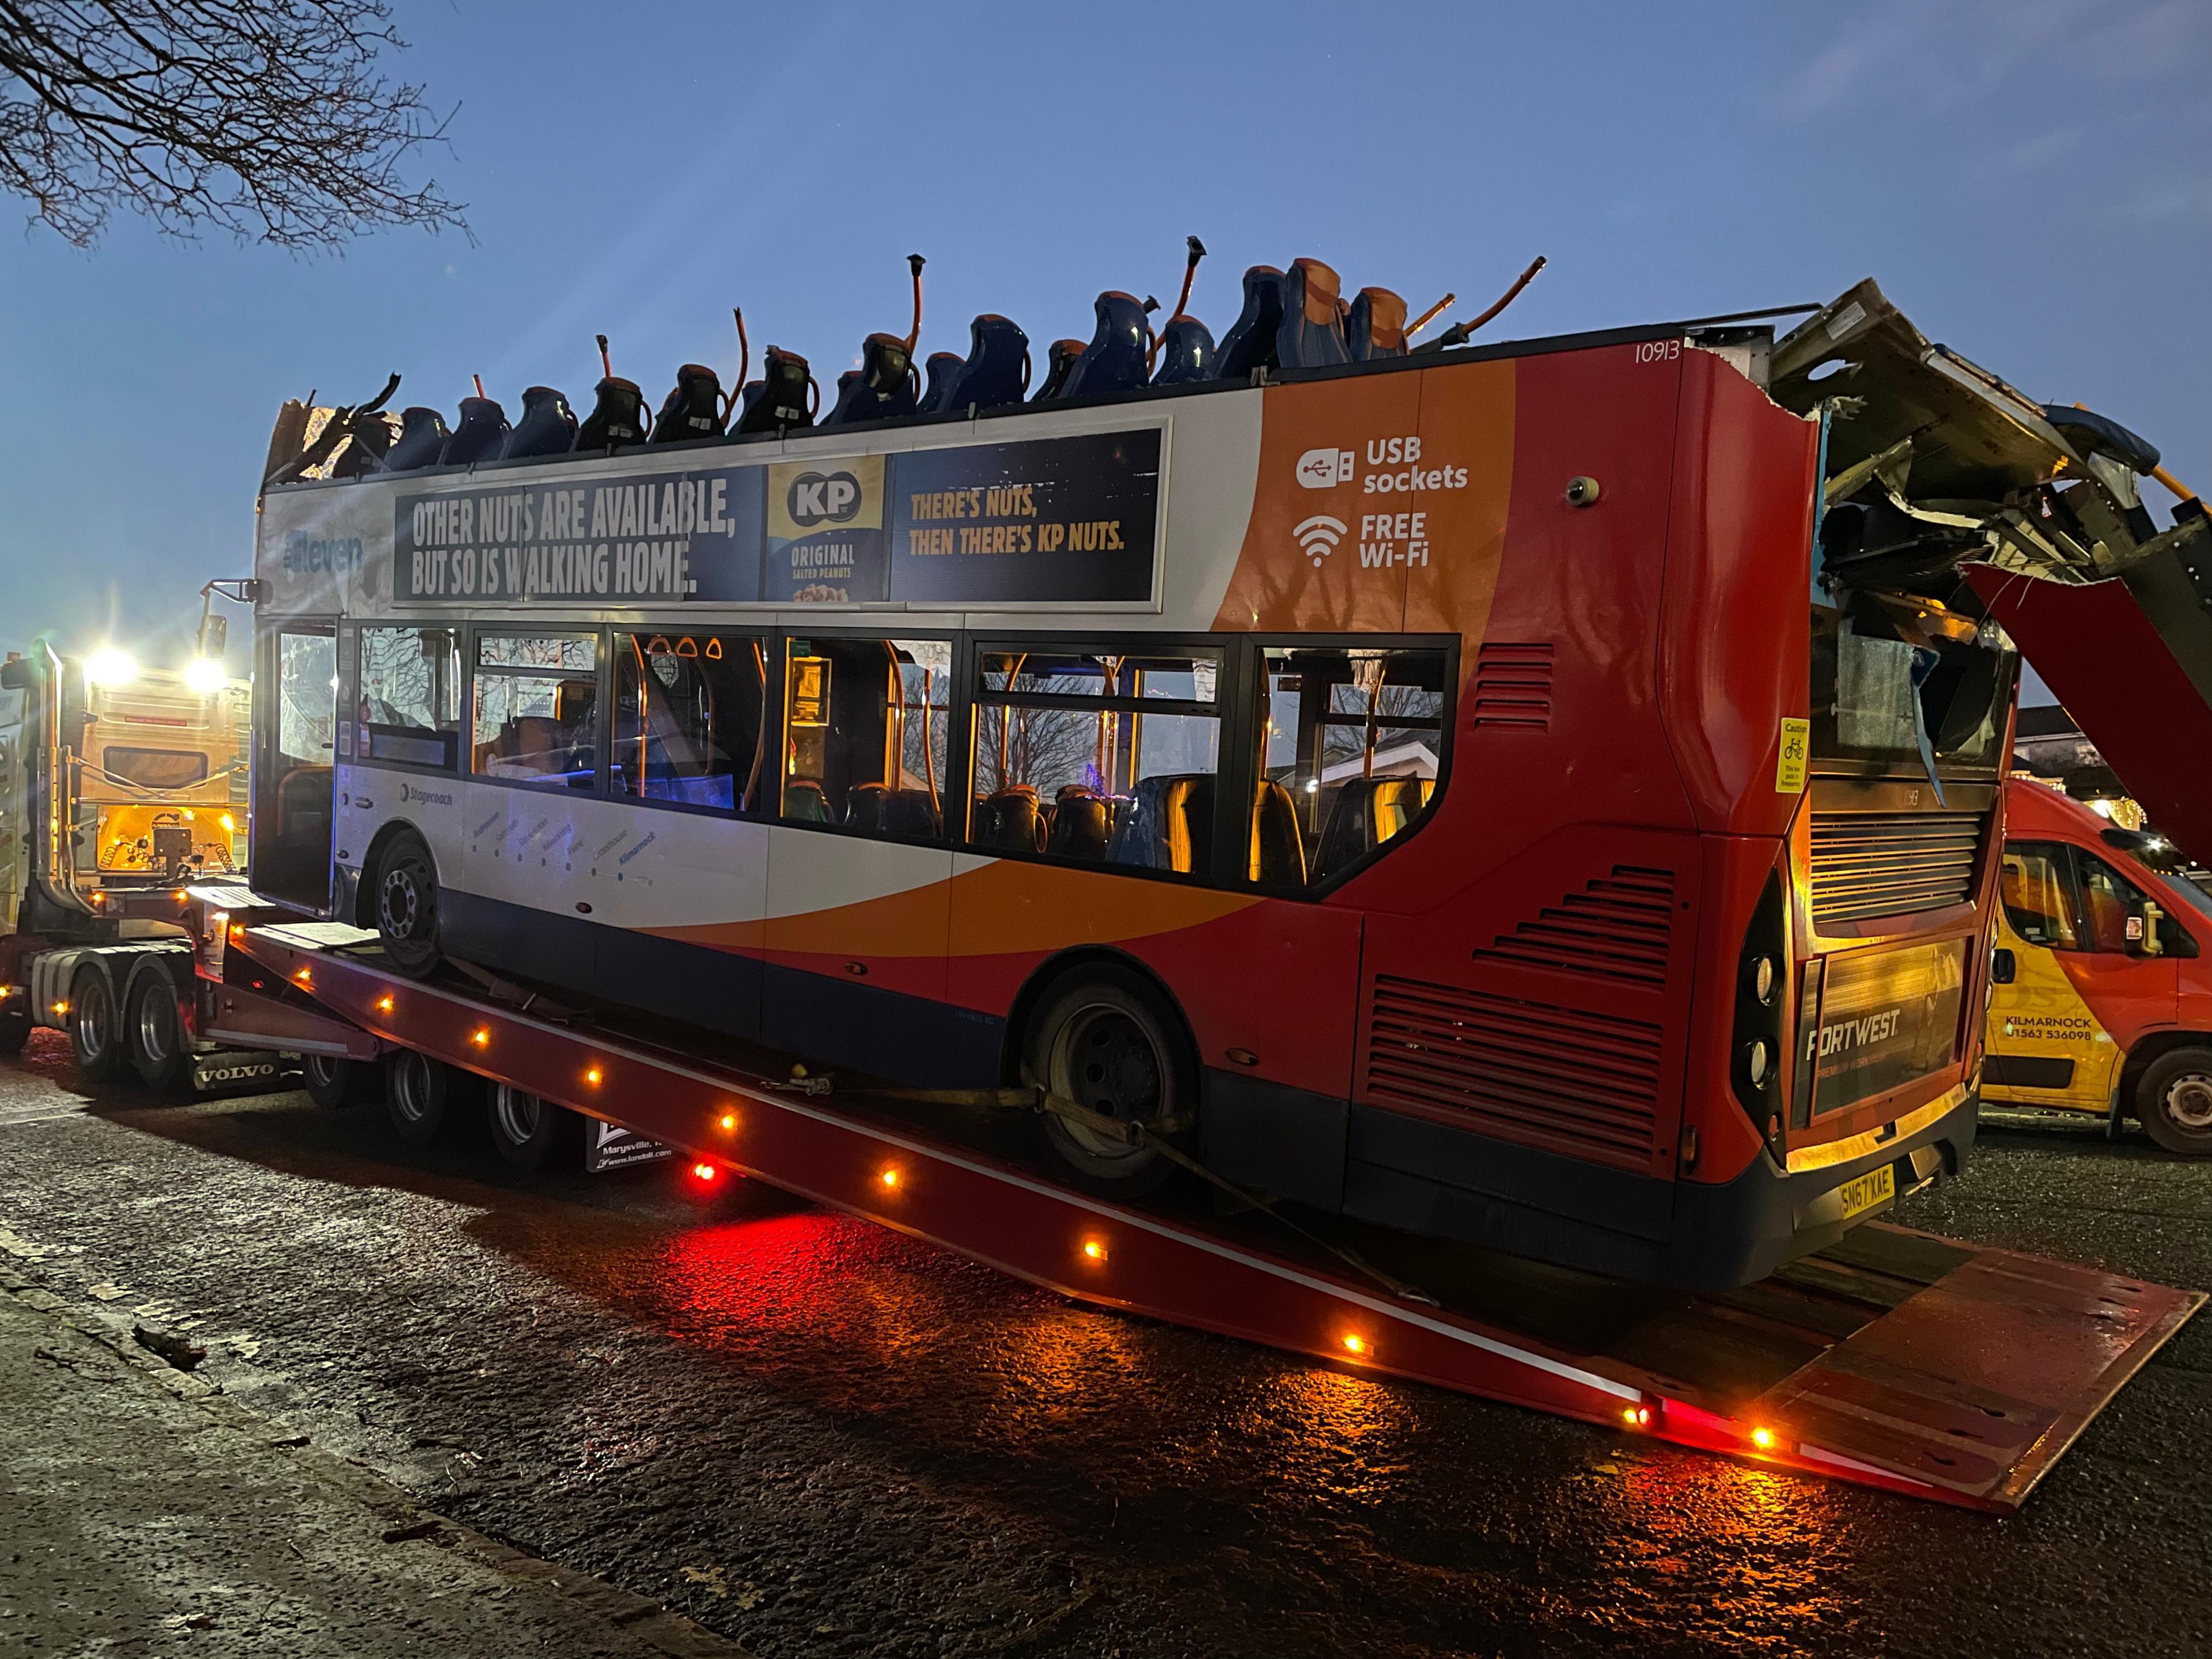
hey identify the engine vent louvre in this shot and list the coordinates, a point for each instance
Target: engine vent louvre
(1513, 685)
(1564, 1080)
(1890, 864)
(1618, 927)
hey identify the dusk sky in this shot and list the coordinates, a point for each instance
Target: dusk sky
(2030, 180)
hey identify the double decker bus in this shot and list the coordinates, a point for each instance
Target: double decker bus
(1541, 795)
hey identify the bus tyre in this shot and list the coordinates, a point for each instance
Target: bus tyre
(95, 1030)
(2174, 1102)
(154, 1034)
(334, 1083)
(532, 1133)
(422, 1096)
(1105, 1040)
(407, 905)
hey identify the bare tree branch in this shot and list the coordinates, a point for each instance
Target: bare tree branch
(265, 118)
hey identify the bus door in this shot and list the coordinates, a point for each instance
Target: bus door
(2079, 976)
(294, 728)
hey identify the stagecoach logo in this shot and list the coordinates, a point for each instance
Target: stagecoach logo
(819, 498)
(428, 797)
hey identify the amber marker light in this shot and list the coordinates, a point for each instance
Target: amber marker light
(301, 976)
(238, 934)
(728, 1123)
(592, 1076)
(1763, 1439)
(61, 1007)
(1637, 1417)
(1354, 1343)
(891, 1178)
(1094, 1249)
(481, 1037)
(384, 1004)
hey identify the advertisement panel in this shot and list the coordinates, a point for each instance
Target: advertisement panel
(630, 539)
(825, 533)
(1887, 1017)
(1052, 520)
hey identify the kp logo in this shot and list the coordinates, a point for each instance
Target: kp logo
(1325, 469)
(815, 499)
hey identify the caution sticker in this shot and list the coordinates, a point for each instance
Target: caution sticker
(1790, 769)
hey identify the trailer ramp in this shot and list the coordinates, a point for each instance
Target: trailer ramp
(1895, 1359)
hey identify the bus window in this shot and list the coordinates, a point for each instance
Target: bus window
(687, 718)
(2038, 895)
(154, 769)
(536, 708)
(410, 696)
(1350, 744)
(1097, 757)
(865, 733)
(2110, 904)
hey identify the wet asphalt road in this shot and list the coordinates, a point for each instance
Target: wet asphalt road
(821, 1438)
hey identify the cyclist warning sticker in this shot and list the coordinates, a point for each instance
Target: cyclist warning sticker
(1789, 768)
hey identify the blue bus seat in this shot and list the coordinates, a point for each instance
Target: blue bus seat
(788, 397)
(1250, 342)
(1009, 819)
(548, 425)
(1059, 360)
(617, 415)
(479, 435)
(1367, 812)
(421, 441)
(942, 369)
(1375, 326)
(1185, 353)
(1279, 851)
(1116, 360)
(997, 369)
(1312, 334)
(693, 408)
(1169, 825)
(1081, 826)
(882, 388)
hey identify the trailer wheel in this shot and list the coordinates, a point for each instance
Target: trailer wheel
(334, 1083)
(1104, 1041)
(15, 1028)
(154, 1034)
(422, 1096)
(532, 1131)
(2174, 1102)
(94, 1033)
(407, 905)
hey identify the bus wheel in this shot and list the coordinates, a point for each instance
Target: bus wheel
(1103, 1041)
(334, 1083)
(2174, 1102)
(422, 1096)
(407, 905)
(532, 1131)
(154, 1034)
(95, 1036)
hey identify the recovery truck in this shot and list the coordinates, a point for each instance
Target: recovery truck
(1891, 1358)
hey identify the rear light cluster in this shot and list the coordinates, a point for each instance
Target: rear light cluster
(1755, 1045)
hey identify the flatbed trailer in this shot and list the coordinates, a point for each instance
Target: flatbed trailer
(1895, 1359)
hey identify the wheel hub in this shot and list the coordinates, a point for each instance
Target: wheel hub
(2189, 1101)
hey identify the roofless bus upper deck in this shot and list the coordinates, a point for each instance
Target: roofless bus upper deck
(1525, 794)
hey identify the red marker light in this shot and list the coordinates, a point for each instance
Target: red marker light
(705, 1172)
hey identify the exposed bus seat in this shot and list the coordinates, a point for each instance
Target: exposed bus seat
(1312, 335)
(303, 804)
(1250, 342)
(942, 369)
(693, 408)
(481, 435)
(806, 802)
(1375, 326)
(421, 441)
(866, 808)
(1185, 353)
(1367, 812)
(1116, 359)
(788, 397)
(617, 415)
(1279, 851)
(1169, 824)
(997, 371)
(881, 389)
(1010, 820)
(548, 425)
(912, 813)
(1061, 358)
(1082, 827)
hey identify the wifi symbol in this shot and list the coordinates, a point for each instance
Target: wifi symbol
(1319, 536)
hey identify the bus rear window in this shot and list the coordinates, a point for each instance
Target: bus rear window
(154, 769)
